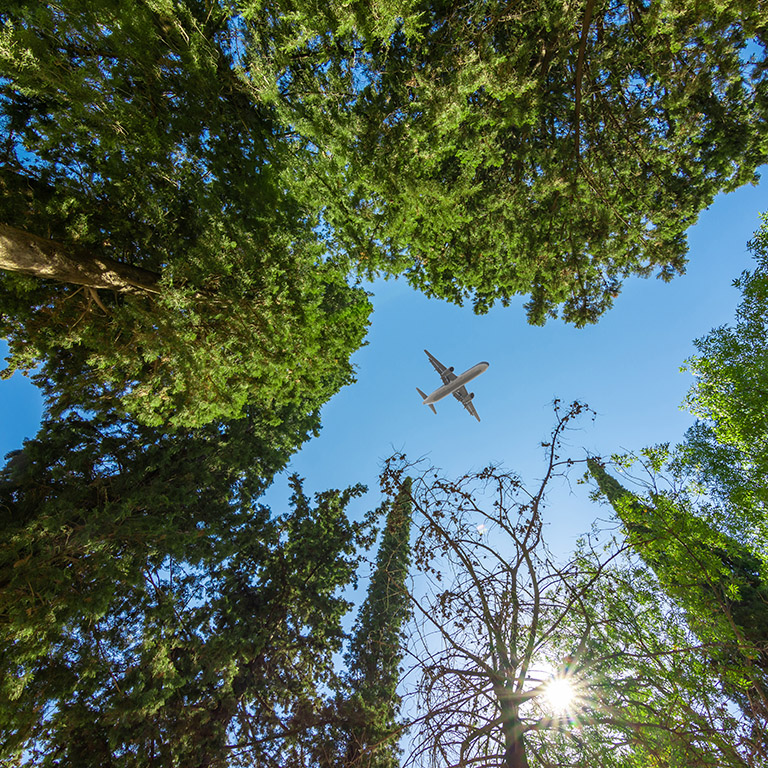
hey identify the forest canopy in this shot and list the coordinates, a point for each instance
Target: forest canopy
(189, 189)
(193, 194)
(157, 255)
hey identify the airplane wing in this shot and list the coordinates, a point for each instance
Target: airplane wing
(463, 397)
(446, 374)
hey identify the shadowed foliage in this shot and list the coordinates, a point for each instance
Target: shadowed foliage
(151, 612)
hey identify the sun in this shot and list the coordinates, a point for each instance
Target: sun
(560, 693)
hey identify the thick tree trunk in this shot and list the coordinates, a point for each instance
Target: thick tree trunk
(514, 753)
(22, 252)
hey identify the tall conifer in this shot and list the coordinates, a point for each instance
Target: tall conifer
(376, 650)
(151, 611)
(716, 579)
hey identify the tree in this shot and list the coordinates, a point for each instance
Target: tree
(356, 725)
(187, 186)
(501, 624)
(156, 250)
(727, 450)
(376, 650)
(704, 537)
(718, 581)
(553, 148)
(152, 613)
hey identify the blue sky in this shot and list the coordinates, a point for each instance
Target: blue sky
(626, 367)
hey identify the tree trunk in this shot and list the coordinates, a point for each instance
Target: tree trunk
(23, 252)
(514, 743)
(514, 753)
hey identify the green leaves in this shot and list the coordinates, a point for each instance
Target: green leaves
(465, 147)
(727, 450)
(717, 579)
(151, 611)
(731, 380)
(145, 145)
(368, 729)
(252, 155)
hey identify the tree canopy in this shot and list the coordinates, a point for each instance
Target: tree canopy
(191, 193)
(718, 581)
(555, 148)
(136, 160)
(186, 186)
(377, 648)
(698, 519)
(152, 612)
(727, 450)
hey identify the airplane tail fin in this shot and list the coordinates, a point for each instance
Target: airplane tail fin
(424, 397)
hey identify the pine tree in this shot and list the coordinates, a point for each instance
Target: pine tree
(187, 185)
(552, 148)
(503, 628)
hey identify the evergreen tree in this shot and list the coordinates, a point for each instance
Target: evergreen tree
(553, 148)
(151, 612)
(186, 185)
(717, 580)
(727, 450)
(521, 658)
(376, 650)
(156, 250)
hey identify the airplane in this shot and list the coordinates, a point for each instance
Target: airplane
(453, 385)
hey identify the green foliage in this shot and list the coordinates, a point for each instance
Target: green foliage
(230, 148)
(151, 612)
(715, 578)
(376, 649)
(643, 681)
(728, 450)
(705, 537)
(498, 616)
(131, 134)
(553, 148)
(731, 380)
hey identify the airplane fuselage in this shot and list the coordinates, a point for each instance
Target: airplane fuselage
(457, 383)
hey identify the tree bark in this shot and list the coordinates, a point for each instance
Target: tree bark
(580, 69)
(514, 753)
(514, 742)
(32, 255)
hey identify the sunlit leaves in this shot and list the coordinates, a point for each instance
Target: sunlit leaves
(728, 449)
(718, 581)
(132, 136)
(466, 148)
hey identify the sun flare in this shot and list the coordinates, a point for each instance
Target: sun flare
(560, 694)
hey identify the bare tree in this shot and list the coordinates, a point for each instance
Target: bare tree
(523, 660)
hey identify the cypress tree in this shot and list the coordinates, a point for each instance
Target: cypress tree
(151, 612)
(156, 250)
(553, 148)
(376, 648)
(717, 580)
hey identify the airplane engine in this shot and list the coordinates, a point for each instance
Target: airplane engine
(451, 369)
(471, 395)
